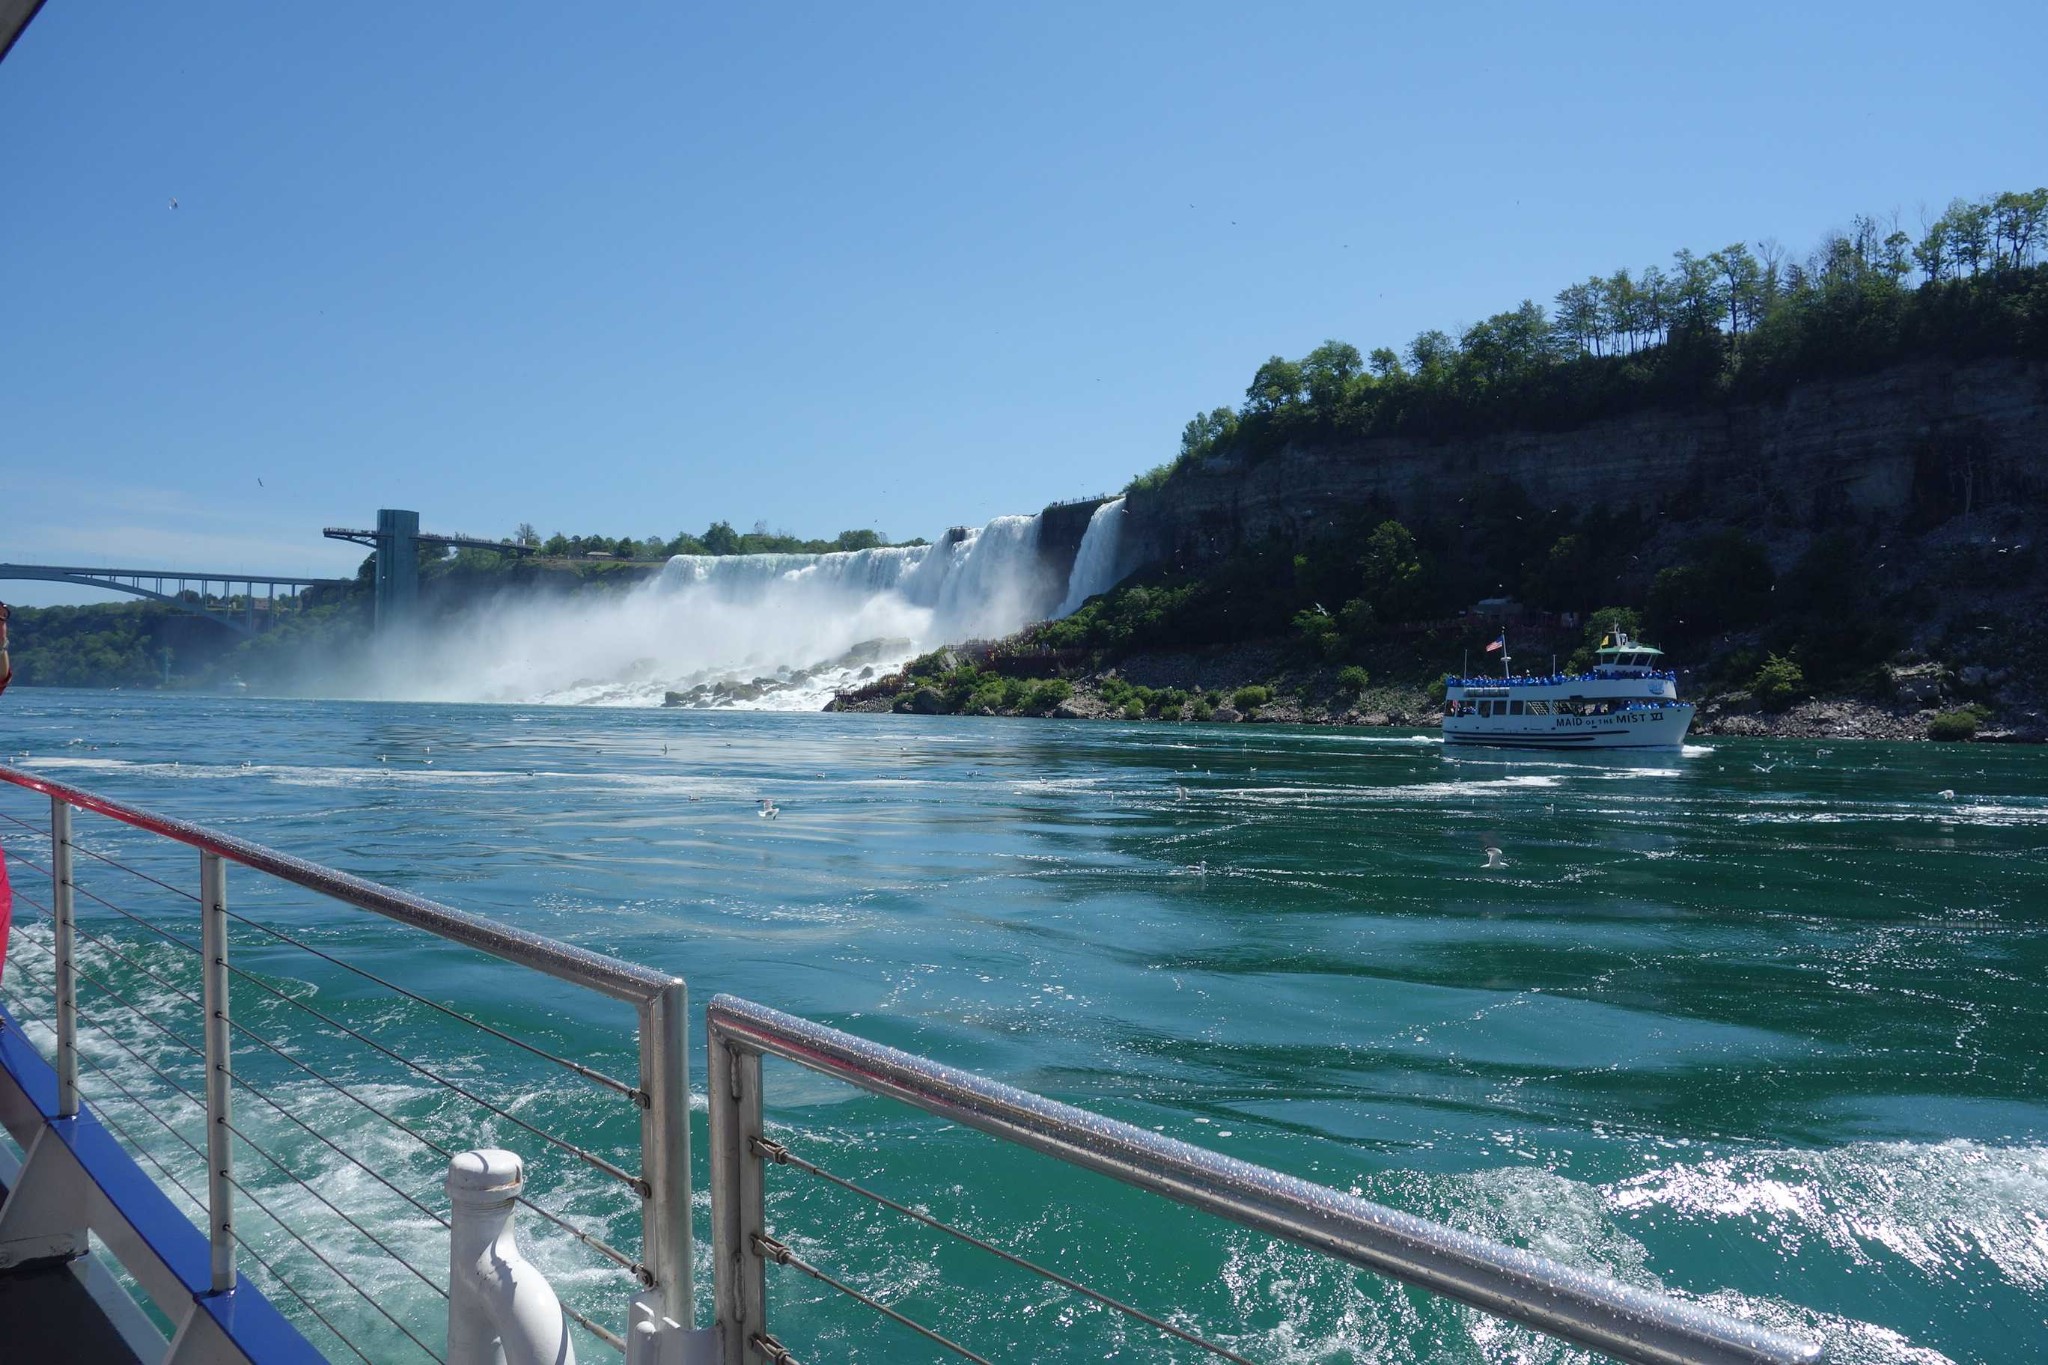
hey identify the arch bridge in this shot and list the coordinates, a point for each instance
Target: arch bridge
(245, 603)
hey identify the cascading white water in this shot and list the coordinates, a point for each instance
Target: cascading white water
(988, 582)
(758, 631)
(1099, 563)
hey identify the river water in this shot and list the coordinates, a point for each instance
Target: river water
(1759, 1023)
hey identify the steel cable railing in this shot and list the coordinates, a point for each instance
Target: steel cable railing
(197, 1151)
(781, 1155)
(290, 1231)
(582, 1236)
(568, 1064)
(334, 1269)
(143, 1149)
(588, 1158)
(112, 964)
(177, 1090)
(1585, 1308)
(775, 1253)
(135, 1145)
(310, 1188)
(619, 1258)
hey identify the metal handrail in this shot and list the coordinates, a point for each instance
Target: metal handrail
(1588, 1309)
(612, 976)
(664, 1269)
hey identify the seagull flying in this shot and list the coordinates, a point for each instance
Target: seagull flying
(174, 203)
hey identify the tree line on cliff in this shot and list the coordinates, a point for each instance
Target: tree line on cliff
(1739, 322)
(719, 538)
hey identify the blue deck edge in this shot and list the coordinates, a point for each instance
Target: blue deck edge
(249, 1319)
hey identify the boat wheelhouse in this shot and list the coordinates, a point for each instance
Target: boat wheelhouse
(1627, 701)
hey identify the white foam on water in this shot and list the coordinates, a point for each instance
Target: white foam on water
(1938, 1207)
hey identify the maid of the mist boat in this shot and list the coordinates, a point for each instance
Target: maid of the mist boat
(1625, 702)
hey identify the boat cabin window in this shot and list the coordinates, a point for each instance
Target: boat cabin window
(1514, 708)
(1537, 708)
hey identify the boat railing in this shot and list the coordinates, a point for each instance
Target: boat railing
(278, 1091)
(339, 1188)
(1582, 1307)
(1558, 679)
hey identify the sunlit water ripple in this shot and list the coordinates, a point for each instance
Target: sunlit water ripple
(1760, 1023)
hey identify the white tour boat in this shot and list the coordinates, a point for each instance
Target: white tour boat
(1626, 702)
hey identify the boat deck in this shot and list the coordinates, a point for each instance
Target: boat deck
(47, 1316)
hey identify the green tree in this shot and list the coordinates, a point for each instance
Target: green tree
(1327, 372)
(1390, 572)
(859, 540)
(1697, 292)
(1276, 385)
(720, 539)
(1582, 316)
(1432, 352)
(1741, 285)
(1504, 347)
(1777, 684)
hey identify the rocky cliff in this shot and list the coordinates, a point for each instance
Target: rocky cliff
(1938, 436)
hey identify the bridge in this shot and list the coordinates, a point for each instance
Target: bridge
(233, 600)
(246, 603)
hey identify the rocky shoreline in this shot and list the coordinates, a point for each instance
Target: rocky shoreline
(1211, 687)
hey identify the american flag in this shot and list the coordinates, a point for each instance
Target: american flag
(1501, 643)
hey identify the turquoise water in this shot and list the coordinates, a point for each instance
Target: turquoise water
(1760, 1023)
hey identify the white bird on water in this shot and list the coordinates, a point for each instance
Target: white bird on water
(1947, 793)
(1493, 855)
(769, 810)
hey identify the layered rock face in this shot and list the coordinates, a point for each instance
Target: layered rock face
(1960, 435)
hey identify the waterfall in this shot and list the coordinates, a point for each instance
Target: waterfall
(1098, 564)
(987, 582)
(748, 631)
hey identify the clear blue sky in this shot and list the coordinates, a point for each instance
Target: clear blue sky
(629, 268)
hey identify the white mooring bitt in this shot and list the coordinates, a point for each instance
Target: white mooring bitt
(501, 1309)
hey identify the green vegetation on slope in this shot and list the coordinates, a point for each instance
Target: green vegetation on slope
(1733, 323)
